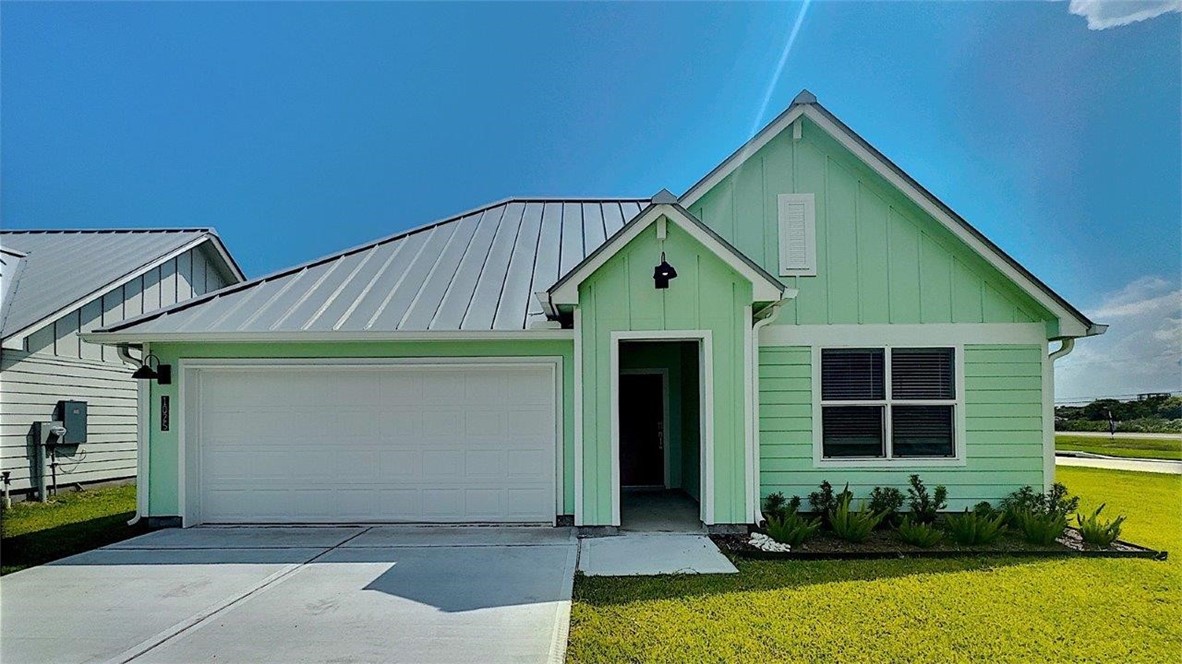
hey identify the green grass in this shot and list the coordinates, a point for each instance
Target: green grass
(955, 610)
(1145, 448)
(72, 522)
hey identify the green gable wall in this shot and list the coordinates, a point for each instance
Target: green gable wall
(1003, 422)
(706, 295)
(880, 258)
(163, 480)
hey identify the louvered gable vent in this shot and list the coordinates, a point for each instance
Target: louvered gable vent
(798, 235)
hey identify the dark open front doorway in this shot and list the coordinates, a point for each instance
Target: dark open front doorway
(659, 413)
(642, 430)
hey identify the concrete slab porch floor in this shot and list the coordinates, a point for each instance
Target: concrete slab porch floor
(254, 594)
(660, 533)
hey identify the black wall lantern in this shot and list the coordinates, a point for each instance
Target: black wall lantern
(663, 273)
(162, 373)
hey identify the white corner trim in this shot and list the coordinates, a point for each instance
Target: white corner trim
(568, 292)
(143, 403)
(923, 334)
(579, 512)
(705, 418)
(959, 432)
(750, 451)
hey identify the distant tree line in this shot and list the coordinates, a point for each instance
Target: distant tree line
(1154, 413)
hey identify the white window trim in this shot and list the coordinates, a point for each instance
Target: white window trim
(889, 462)
(190, 373)
(810, 234)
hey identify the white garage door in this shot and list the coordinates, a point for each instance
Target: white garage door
(407, 443)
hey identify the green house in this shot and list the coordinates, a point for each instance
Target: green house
(805, 312)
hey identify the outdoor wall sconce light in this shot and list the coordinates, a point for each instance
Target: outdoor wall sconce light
(162, 374)
(663, 273)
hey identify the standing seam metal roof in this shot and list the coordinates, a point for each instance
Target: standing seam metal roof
(62, 267)
(478, 270)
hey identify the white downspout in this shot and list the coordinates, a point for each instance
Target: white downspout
(772, 311)
(1048, 411)
(142, 417)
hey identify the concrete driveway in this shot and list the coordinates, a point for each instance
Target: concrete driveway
(255, 594)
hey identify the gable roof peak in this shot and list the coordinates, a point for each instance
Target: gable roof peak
(664, 197)
(804, 97)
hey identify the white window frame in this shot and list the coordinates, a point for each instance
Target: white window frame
(810, 234)
(891, 461)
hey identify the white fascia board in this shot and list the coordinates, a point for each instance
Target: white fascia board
(1069, 324)
(224, 255)
(762, 289)
(16, 340)
(113, 338)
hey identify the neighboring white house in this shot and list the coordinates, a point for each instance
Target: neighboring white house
(55, 284)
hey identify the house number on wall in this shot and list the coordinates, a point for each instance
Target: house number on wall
(164, 413)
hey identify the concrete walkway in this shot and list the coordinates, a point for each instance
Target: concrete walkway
(1085, 460)
(384, 594)
(645, 554)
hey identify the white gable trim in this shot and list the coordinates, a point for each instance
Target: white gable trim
(567, 290)
(16, 340)
(1070, 324)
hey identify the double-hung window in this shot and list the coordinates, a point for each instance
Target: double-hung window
(888, 403)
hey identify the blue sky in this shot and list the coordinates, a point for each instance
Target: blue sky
(298, 129)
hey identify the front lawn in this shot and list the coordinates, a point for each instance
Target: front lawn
(72, 522)
(961, 609)
(1145, 448)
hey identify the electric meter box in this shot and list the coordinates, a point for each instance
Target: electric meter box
(72, 415)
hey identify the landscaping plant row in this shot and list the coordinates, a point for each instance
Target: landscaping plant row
(1033, 520)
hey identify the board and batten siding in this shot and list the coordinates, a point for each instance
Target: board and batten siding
(56, 364)
(1003, 421)
(879, 258)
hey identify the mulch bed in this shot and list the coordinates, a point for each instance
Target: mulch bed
(885, 544)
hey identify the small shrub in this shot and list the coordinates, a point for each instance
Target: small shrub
(850, 525)
(792, 529)
(1055, 502)
(971, 528)
(923, 535)
(924, 506)
(777, 506)
(886, 501)
(1040, 528)
(1097, 532)
(825, 501)
(984, 509)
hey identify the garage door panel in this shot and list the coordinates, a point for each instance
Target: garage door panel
(399, 443)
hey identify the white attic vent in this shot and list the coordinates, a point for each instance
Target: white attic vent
(798, 235)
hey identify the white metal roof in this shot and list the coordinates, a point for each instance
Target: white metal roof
(476, 271)
(63, 269)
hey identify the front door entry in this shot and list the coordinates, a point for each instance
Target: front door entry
(642, 435)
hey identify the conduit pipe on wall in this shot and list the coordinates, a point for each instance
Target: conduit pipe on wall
(766, 316)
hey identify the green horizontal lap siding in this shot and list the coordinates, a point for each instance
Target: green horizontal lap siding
(163, 480)
(880, 258)
(706, 295)
(1003, 420)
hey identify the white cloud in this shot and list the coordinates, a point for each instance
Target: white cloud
(1140, 352)
(1103, 14)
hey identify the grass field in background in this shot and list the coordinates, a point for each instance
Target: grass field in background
(1145, 448)
(72, 522)
(954, 610)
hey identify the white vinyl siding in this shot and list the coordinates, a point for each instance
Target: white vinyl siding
(56, 365)
(798, 235)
